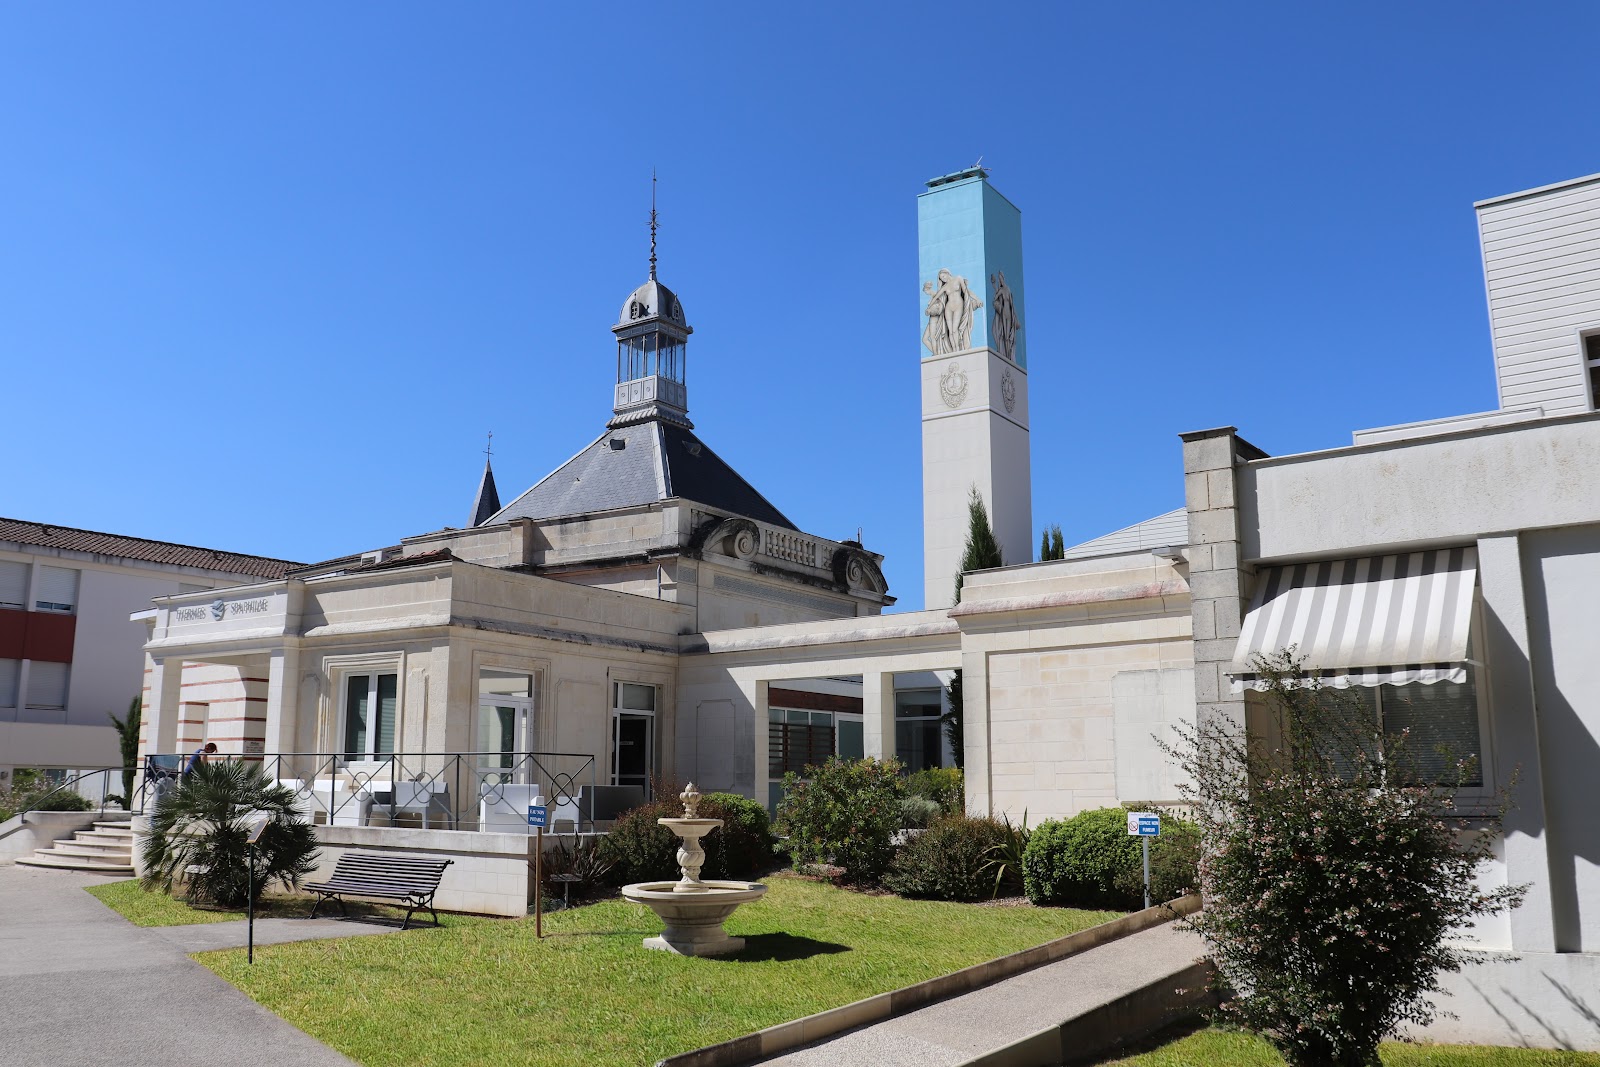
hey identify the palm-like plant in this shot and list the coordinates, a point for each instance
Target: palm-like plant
(200, 834)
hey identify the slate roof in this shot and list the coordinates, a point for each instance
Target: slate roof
(1170, 528)
(70, 539)
(656, 461)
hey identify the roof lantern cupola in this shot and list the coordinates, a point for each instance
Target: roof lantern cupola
(652, 349)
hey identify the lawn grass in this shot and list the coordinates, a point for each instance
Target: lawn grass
(485, 991)
(1230, 1048)
(154, 908)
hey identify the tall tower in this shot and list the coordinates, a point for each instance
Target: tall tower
(974, 374)
(652, 350)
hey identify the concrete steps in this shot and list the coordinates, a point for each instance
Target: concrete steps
(105, 849)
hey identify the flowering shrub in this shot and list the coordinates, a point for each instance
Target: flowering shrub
(945, 786)
(1333, 873)
(843, 813)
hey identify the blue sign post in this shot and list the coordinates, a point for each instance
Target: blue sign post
(1144, 825)
(538, 818)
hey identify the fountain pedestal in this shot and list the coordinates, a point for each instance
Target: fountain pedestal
(693, 910)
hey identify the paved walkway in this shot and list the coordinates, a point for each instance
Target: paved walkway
(80, 984)
(955, 1030)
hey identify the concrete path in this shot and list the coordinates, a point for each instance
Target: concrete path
(80, 984)
(955, 1030)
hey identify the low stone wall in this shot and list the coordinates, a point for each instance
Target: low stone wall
(489, 874)
(21, 834)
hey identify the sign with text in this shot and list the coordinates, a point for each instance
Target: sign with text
(1144, 824)
(538, 816)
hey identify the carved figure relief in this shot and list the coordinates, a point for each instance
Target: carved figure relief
(1008, 391)
(953, 385)
(1006, 323)
(949, 312)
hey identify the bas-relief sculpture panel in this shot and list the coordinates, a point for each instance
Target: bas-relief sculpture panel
(949, 312)
(1006, 323)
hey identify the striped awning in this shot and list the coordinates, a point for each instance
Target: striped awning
(1371, 621)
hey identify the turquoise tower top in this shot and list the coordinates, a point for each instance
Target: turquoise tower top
(969, 253)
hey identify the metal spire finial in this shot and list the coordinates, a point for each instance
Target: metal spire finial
(652, 224)
(489, 448)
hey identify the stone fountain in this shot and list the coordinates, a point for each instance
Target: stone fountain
(693, 910)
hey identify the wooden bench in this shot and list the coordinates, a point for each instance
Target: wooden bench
(411, 880)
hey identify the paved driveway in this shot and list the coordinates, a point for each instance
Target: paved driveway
(79, 984)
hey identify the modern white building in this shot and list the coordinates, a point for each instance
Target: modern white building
(1449, 573)
(68, 657)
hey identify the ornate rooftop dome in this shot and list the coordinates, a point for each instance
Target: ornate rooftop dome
(650, 300)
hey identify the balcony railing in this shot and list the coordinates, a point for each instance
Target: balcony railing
(489, 791)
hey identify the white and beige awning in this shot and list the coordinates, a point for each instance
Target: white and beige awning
(1371, 621)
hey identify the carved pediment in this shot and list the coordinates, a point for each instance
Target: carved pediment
(739, 538)
(856, 570)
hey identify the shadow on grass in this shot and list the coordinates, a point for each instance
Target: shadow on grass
(1149, 1043)
(763, 947)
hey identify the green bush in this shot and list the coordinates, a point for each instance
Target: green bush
(1174, 863)
(1076, 863)
(950, 860)
(918, 813)
(945, 786)
(639, 849)
(844, 814)
(66, 800)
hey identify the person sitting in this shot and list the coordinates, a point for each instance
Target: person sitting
(198, 758)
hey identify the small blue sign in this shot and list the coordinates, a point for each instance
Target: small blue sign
(538, 816)
(1150, 826)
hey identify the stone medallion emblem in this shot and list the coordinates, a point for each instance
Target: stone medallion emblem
(217, 610)
(1008, 391)
(953, 385)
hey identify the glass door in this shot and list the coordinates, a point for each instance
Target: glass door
(633, 735)
(505, 729)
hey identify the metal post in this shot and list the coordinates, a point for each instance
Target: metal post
(250, 903)
(1145, 842)
(538, 882)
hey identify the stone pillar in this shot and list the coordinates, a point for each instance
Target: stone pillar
(877, 715)
(755, 695)
(283, 674)
(976, 766)
(1219, 579)
(163, 690)
(1514, 721)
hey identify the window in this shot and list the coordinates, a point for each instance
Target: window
(633, 734)
(1591, 363)
(506, 723)
(370, 702)
(918, 740)
(13, 584)
(10, 669)
(47, 685)
(1440, 721)
(58, 590)
(797, 739)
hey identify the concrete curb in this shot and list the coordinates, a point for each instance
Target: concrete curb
(790, 1035)
(1100, 1031)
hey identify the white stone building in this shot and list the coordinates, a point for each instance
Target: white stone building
(1449, 571)
(68, 657)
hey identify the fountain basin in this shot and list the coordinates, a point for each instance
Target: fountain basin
(694, 919)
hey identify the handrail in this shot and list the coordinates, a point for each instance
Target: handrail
(71, 784)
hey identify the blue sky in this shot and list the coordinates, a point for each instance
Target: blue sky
(269, 273)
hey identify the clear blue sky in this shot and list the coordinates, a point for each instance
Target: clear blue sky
(268, 273)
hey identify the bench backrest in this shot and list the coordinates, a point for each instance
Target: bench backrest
(403, 872)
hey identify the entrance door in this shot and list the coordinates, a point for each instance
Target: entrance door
(505, 728)
(632, 756)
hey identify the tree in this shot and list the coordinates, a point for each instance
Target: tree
(128, 741)
(1051, 545)
(200, 832)
(981, 553)
(1333, 870)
